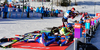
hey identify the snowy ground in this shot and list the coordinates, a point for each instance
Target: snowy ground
(10, 27)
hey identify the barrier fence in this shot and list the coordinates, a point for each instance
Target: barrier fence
(16, 14)
(20, 14)
(89, 31)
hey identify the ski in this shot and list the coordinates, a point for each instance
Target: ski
(26, 34)
(10, 45)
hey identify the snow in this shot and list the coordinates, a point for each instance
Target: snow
(11, 26)
(21, 26)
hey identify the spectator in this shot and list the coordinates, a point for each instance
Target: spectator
(46, 12)
(27, 10)
(37, 10)
(25, 7)
(56, 13)
(53, 12)
(5, 11)
(49, 15)
(68, 14)
(31, 9)
(10, 6)
(39, 7)
(14, 8)
(19, 6)
(42, 12)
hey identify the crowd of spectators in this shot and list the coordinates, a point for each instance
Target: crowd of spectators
(44, 11)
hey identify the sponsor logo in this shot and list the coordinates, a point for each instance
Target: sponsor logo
(77, 25)
(98, 14)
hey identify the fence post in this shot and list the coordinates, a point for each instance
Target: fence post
(77, 34)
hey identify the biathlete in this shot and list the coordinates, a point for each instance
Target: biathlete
(47, 38)
(85, 16)
(69, 14)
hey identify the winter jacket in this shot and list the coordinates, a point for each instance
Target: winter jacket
(25, 7)
(28, 9)
(47, 11)
(37, 10)
(67, 14)
(13, 6)
(57, 11)
(42, 10)
(53, 11)
(10, 6)
(6, 8)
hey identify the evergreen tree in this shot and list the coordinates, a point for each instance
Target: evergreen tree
(75, 2)
(65, 2)
(6, 2)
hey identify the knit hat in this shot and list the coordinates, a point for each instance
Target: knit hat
(73, 8)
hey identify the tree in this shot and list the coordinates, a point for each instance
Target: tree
(57, 3)
(65, 3)
(75, 2)
(6, 2)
